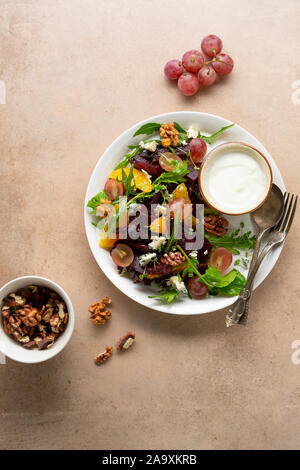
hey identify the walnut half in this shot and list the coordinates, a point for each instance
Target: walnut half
(126, 341)
(173, 258)
(215, 224)
(169, 135)
(102, 357)
(99, 313)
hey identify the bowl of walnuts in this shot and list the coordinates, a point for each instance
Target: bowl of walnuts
(37, 319)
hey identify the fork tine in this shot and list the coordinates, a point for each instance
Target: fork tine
(286, 198)
(287, 214)
(291, 216)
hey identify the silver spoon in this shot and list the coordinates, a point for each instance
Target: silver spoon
(265, 217)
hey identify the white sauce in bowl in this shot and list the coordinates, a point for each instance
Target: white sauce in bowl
(235, 179)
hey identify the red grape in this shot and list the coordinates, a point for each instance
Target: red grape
(179, 204)
(192, 61)
(173, 69)
(176, 205)
(211, 45)
(222, 64)
(188, 84)
(221, 258)
(168, 161)
(198, 150)
(207, 75)
(196, 288)
(114, 189)
(122, 255)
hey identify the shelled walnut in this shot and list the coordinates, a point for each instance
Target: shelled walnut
(99, 313)
(215, 224)
(169, 135)
(173, 258)
(126, 341)
(34, 316)
(102, 357)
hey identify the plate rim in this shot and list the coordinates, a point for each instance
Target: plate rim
(164, 307)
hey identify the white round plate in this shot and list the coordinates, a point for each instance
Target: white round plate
(207, 123)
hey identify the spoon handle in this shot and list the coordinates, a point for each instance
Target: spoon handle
(244, 317)
(238, 312)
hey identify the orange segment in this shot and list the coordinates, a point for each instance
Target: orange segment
(142, 182)
(107, 243)
(182, 192)
(159, 225)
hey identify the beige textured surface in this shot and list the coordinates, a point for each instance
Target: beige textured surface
(77, 74)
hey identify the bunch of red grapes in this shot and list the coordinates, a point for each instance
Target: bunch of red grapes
(194, 69)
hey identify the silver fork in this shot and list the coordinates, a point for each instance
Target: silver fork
(276, 237)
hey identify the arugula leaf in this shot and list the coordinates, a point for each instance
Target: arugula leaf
(135, 149)
(213, 277)
(172, 238)
(233, 289)
(192, 268)
(147, 129)
(212, 138)
(179, 128)
(175, 176)
(127, 181)
(233, 242)
(167, 295)
(123, 163)
(95, 201)
(192, 265)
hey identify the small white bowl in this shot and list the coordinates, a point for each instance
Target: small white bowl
(17, 352)
(222, 150)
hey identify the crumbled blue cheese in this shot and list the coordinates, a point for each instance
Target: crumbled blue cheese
(160, 210)
(177, 283)
(146, 258)
(193, 254)
(142, 144)
(192, 133)
(245, 262)
(157, 242)
(132, 209)
(184, 142)
(151, 146)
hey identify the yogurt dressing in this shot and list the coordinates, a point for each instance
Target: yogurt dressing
(236, 182)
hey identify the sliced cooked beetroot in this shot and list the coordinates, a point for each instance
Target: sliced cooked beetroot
(182, 151)
(152, 168)
(202, 267)
(137, 245)
(203, 254)
(157, 269)
(195, 194)
(160, 269)
(192, 176)
(157, 199)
